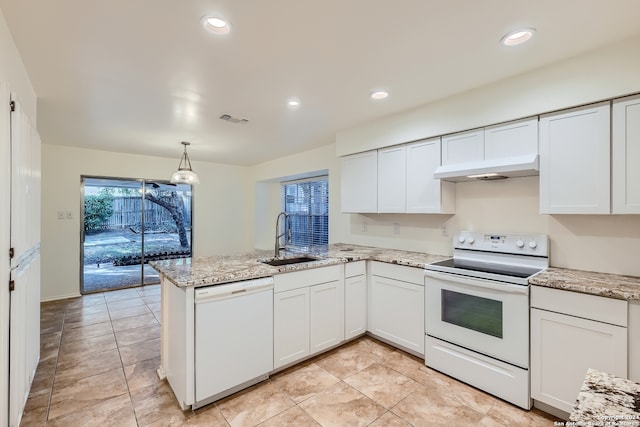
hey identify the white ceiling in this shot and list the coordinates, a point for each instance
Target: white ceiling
(139, 76)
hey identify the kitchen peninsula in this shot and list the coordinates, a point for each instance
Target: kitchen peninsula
(303, 309)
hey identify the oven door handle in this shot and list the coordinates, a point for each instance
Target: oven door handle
(478, 282)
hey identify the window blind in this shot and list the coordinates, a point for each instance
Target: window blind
(307, 203)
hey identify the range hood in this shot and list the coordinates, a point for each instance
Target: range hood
(505, 167)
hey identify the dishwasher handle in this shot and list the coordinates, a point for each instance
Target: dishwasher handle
(232, 290)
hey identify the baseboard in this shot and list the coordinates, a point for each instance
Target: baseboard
(550, 410)
(59, 297)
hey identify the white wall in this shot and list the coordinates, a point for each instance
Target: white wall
(605, 73)
(221, 205)
(12, 70)
(267, 177)
(606, 243)
(235, 207)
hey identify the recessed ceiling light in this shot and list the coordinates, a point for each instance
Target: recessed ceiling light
(216, 25)
(517, 37)
(379, 94)
(293, 102)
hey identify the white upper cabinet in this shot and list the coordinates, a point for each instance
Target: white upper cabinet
(397, 179)
(392, 179)
(626, 155)
(511, 140)
(508, 149)
(463, 147)
(574, 161)
(425, 194)
(359, 182)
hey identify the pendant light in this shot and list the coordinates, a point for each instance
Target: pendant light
(184, 174)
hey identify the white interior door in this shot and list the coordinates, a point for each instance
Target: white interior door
(5, 193)
(23, 217)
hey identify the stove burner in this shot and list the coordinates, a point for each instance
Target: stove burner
(486, 267)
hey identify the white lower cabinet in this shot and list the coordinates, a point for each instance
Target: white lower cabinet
(290, 326)
(326, 322)
(396, 305)
(355, 299)
(633, 335)
(570, 333)
(308, 313)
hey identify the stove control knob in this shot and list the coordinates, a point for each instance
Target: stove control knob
(471, 240)
(520, 244)
(461, 239)
(533, 244)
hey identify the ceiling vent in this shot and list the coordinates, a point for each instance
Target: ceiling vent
(231, 119)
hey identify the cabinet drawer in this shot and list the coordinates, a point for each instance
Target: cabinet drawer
(299, 279)
(398, 272)
(608, 310)
(357, 268)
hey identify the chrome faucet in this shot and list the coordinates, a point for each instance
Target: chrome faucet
(287, 233)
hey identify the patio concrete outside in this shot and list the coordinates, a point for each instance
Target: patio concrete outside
(101, 276)
(108, 277)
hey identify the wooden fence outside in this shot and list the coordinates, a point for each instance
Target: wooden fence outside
(127, 213)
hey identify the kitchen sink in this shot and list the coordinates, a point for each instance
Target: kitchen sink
(286, 261)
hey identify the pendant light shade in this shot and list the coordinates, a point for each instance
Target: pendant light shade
(184, 174)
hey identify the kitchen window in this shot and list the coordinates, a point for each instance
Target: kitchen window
(307, 203)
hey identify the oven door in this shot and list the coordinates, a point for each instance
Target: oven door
(486, 316)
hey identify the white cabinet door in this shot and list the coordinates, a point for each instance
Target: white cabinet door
(626, 156)
(574, 161)
(396, 312)
(633, 334)
(360, 182)
(355, 306)
(463, 147)
(511, 139)
(392, 177)
(290, 326)
(327, 315)
(425, 194)
(564, 347)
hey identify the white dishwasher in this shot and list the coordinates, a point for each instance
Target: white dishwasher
(233, 337)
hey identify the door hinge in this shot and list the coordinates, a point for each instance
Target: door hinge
(12, 105)
(12, 285)
(11, 253)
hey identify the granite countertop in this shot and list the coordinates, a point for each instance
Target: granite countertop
(606, 400)
(203, 271)
(589, 282)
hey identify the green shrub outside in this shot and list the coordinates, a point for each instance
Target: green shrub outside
(97, 209)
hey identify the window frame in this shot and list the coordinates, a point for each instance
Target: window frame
(312, 209)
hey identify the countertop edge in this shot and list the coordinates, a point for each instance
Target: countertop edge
(607, 399)
(607, 285)
(247, 266)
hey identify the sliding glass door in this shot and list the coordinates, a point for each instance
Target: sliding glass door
(127, 223)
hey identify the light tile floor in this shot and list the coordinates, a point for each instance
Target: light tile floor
(99, 355)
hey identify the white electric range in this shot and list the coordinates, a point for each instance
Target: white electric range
(477, 311)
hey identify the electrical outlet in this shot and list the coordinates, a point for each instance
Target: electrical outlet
(444, 231)
(364, 226)
(61, 215)
(396, 228)
(69, 215)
